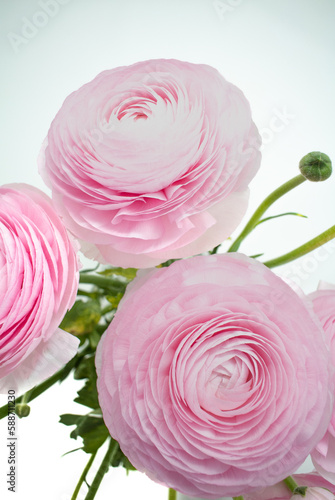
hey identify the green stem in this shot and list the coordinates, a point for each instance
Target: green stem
(86, 294)
(112, 450)
(316, 242)
(238, 498)
(102, 282)
(39, 389)
(290, 483)
(269, 200)
(83, 476)
(172, 494)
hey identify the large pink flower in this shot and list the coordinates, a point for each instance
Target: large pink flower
(38, 283)
(152, 161)
(323, 455)
(213, 376)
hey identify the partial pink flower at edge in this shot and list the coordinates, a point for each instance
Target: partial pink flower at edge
(39, 280)
(323, 455)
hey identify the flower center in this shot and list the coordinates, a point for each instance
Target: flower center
(227, 386)
(229, 378)
(138, 116)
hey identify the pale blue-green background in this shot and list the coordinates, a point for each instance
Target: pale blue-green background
(279, 52)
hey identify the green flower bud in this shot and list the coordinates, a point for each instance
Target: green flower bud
(316, 166)
(22, 410)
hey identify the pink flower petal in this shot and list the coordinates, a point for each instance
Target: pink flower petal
(43, 360)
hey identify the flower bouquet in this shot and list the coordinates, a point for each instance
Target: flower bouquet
(201, 367)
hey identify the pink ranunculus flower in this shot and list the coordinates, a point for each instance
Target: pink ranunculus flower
(280, 491)
(323, 455)
(152, 161)
(39, 280)
(214, 376)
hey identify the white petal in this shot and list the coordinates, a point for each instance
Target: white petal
(45, 360)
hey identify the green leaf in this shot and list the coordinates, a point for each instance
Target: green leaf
(90, 428)
(128, 273)
(280, 215)
(86, 368)
(114, 300)
(82, 317)
(88, 395)
(120, 460)
(94, 339)
(70, 419)
(94, 436)
(71, 451)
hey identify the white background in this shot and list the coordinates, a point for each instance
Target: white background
(279, 52)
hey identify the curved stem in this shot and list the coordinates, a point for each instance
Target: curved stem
(83, 476)
(316, 242)
(84, 293)
(215, 250)
(290, 483)
(112, 449)
(172, 494)
(269, 200)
